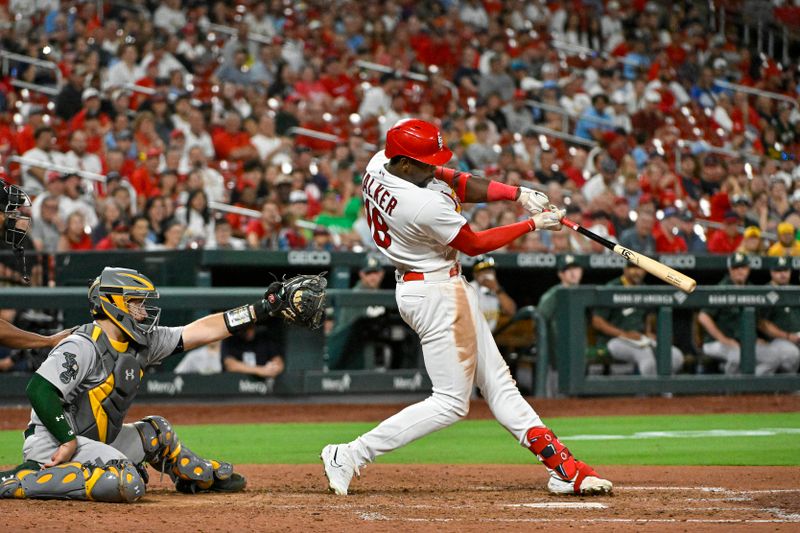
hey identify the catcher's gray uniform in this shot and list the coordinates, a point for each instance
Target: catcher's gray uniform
(98, 384)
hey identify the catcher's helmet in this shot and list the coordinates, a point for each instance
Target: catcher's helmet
(16, 224)
(110, 296)
(482, 262)
(418, 140)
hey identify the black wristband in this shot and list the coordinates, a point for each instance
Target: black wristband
(239, 318)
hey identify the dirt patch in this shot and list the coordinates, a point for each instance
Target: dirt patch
(447, 498)
(225, 413)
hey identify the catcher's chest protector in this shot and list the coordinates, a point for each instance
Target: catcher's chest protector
(99, 412)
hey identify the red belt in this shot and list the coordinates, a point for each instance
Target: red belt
(420, 276)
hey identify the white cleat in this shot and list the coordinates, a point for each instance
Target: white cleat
(590, 486)
(339, 467)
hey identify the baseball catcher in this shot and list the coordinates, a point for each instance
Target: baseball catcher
(76, 446)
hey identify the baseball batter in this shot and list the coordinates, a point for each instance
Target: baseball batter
(413, 209)
(76, 446)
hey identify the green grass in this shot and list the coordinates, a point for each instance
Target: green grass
(485, 441)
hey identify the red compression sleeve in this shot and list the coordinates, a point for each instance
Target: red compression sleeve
(500, 191)
(472, 243)
(455, 179)
(495, 191)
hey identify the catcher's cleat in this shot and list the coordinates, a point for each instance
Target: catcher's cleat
(11, 487)
(340, 466)
(235, 483)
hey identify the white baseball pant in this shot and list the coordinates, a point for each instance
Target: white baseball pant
(643, 357)
(767, 360)
(459, 352)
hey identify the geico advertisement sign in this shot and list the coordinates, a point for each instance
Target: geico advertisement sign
(310, 257)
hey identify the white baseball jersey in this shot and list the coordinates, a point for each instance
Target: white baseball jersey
(411, 225)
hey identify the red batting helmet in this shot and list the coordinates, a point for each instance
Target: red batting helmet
(418, 140)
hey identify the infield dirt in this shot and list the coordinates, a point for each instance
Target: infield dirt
(444, 497)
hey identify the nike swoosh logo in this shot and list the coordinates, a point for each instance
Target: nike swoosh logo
(333, 462)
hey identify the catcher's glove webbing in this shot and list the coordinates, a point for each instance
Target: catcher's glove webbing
(300, 300)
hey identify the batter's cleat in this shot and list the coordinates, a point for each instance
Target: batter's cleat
(585, 483)
(340, 466)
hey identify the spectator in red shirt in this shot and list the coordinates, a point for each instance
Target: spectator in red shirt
(314, 120)
(309, 87)
(91, 105)
(116, 162)
(232, 142)
(666, 233)
(145, 178)
(728, 239)
(339, 85)
(25, 138)
(144, 132)
(75, 237)
(263, 233)
(118, 239)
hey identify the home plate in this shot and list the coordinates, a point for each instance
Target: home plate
(560, 505)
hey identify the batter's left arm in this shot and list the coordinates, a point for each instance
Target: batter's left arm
(472, 189)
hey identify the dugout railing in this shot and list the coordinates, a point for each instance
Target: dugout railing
(574, 304)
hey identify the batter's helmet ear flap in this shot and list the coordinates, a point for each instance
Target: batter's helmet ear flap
(418, 140)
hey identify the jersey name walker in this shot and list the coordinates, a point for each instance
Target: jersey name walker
(411, 225)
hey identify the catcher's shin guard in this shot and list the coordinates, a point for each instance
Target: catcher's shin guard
(113, 482)
(191, 473)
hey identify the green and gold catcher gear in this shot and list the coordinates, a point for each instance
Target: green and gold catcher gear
(113, 482)
(120, 294)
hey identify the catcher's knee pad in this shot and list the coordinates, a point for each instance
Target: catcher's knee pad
(164, 451)
(553, 455)
(114, 482)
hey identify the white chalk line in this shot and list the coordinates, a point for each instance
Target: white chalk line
(687, 434)
(383, 518)
(706, 489)
(559, 505)
(731, 499)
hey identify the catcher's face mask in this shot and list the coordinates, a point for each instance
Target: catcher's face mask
(17, 222)
(121, 294)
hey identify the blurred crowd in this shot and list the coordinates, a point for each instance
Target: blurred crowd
(248, 124)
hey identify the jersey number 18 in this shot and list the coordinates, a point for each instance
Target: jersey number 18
(375, 221)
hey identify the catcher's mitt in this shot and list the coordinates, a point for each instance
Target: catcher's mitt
(300, 299)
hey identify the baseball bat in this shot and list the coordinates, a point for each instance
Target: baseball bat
(659, 270)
